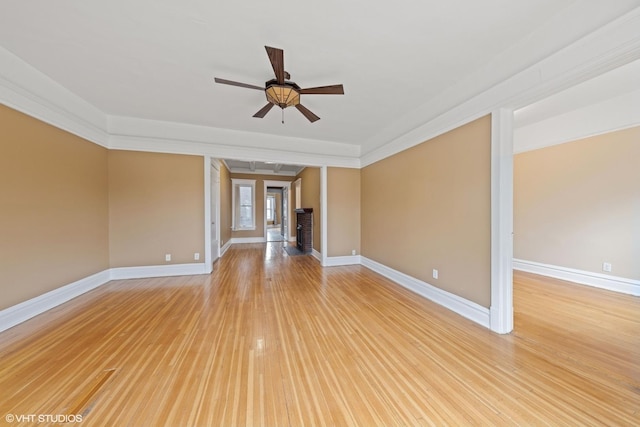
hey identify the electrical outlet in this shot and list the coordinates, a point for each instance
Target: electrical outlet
(196, 256)
(606, 266)
(167, 257)
(435, 273)
(353, 251)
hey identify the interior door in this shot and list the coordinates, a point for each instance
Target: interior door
(215, 214)
(285, 214)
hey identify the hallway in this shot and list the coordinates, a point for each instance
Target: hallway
(274, 234)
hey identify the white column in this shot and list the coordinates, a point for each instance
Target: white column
(207, 215)
(323, 214)
(502, 221)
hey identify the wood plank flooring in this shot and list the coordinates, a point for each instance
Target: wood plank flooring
(273, 340)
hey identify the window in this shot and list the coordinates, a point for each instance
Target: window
(271, 208)
(298, 187)
(244, 204)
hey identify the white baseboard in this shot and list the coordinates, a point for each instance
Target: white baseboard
(334, 261)
(317, 255)
(235, 240)
(18, 313)
(455, 303)
(224, 248)
(121, 273)
(597, 280)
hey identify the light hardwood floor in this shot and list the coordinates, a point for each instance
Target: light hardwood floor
(274, 340)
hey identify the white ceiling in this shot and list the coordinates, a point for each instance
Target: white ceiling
(402, 63)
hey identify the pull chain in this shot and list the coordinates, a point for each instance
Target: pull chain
(283, 116)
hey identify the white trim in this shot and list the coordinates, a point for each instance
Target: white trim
(121, 273)
(335, 261)
(236, 240)
(208, 256)
(18, 313)
(23, 311)
(26, 89)
(501, 221)
(614, 44)
(224, 248)
(597, 280)
(159, 144)
(317, 255)
(323, 215)
(229, 143)
(455, 303)
(614, 114)
(214, 165)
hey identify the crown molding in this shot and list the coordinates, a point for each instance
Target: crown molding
(150, 135)
(173, 146)
(622, 112)
(26, 89)
(609, 47)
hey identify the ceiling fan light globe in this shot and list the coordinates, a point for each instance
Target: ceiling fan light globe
(282, 95)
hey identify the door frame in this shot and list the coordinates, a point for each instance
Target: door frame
(215, 253)
(209, 164)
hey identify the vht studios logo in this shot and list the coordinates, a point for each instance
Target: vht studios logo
(43, 418)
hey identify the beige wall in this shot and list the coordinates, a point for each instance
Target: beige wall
(577, 205)
(71, 208)
(310, 196)
(260, 209)
(428, 207)
(53, 208)
(156, 207)
(343, 211)
(225, 205)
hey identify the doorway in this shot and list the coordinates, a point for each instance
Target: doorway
(274, 208)
(276, 211)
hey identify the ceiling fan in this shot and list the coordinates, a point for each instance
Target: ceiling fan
(283, 92)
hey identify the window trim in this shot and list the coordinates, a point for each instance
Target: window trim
(235, 183)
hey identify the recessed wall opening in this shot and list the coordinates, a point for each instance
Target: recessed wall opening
(574, 183)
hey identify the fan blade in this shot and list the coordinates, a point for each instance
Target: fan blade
(232, 83)
(307, 113)
(323, 90)
(276, 56)
(263, 111)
